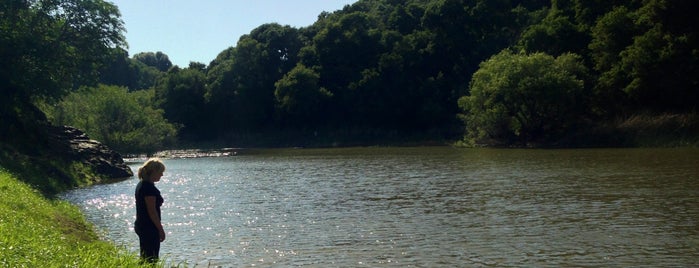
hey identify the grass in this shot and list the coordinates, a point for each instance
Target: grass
(48, 173)
(39, 232)
(661, 130)
(637, 130)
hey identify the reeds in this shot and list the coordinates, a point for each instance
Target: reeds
(661, 130)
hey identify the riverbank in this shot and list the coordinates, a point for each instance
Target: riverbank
(643, 130)
(661, 130)
(42, 232)
(639, 131)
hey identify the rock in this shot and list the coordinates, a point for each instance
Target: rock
(197, 153)
(74, 143)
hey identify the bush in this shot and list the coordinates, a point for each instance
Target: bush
(520, 99)
(125, 121)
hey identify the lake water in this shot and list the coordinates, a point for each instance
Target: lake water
(419, 207)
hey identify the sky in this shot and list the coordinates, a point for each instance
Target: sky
(197, 30)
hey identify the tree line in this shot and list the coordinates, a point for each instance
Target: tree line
(503, 72)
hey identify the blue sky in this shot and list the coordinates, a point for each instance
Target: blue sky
(197, 30)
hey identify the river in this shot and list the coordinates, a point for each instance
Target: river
(418, 207)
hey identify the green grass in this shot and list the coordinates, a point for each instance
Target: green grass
(39, 232)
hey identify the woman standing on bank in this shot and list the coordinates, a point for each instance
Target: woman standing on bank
(148, 201)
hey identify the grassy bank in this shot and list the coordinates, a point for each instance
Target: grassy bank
(39, 232)
(637, 131)
(662, 130)
(643, 130)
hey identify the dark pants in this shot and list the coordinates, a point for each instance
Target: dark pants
(149, 240)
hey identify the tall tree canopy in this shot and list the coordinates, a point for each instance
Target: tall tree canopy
(47, 49)
(129, 72)
(158, 60)
(387, 66)
(300, 98)
(50, 47)
(649, 55)
(181, 95)
(242, 87)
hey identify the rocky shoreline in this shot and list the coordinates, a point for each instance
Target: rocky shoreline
(187, 153)
(74, 144)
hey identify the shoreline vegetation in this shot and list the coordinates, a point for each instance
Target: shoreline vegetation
(665, 130)
(638, 130)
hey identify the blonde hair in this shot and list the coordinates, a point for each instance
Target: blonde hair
(150, 167)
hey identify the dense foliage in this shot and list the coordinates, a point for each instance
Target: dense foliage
(125, 120)
(48, 48)
(129, 72)
(382, 69)
(519, 99)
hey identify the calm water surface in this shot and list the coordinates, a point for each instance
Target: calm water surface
(419, 207)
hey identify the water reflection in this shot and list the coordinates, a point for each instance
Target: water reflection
(420, 207)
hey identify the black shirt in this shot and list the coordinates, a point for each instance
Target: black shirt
(143, 189)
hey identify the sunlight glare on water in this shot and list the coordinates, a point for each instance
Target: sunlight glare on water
(426, 207)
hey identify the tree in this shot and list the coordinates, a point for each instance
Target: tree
(181, 95)
(50, 47)
(650, 54)
(345, 48)
(556, 34)
(524, 99)
(121, 70)
(158, 60)
(405, 19)
(125, 121)
(47, 49)
(613, 32)
(242, 81)
(460, 35)
(300, 98)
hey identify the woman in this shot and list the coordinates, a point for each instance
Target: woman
(148, 201)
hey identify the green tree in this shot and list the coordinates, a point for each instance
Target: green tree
(49, 47)
(650, 55)
(158, 60)
(556, 34)
(220, 93)
(300, 98)
(181, 95)
(124, 71)
(197, 66)
(405, 19)
(459, 34)
(345, 48)
(524, 99)
(241, 83)
(613, 32)
(125, 121)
